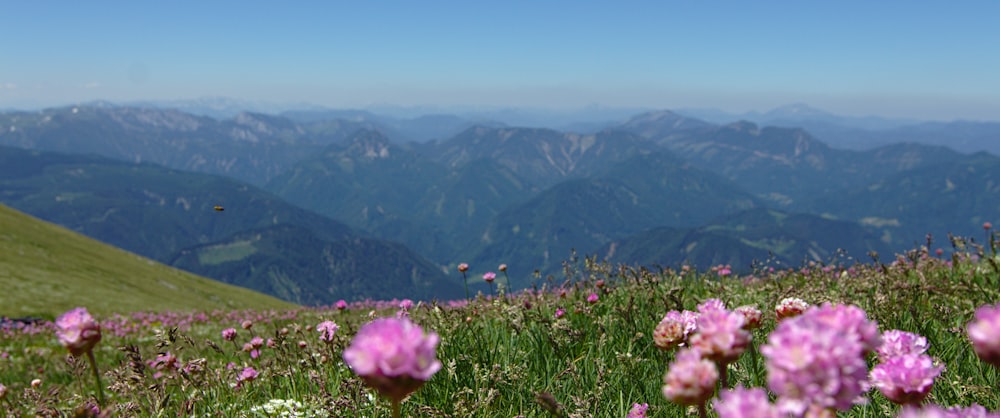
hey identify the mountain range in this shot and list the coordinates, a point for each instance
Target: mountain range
(322, 205)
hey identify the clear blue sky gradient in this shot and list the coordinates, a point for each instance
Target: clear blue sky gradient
(931, 59)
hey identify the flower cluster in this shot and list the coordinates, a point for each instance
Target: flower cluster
(745, 403)
(327, 329)
(984, 334)
(78, 331)
(674, 329)
(691, 379)
(790, 307)
(817, 359)
(394, 356)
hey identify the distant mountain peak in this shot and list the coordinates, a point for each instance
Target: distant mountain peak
(369, 144)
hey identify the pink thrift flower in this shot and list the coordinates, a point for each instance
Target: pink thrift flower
(489, 276)
(814, 363)
(851, 321)
(247, 324)
(790, 307)
(78, 331)
(721, 337)
(690, 381)
(674, 329)
(593, 298)
(165, 362)
(341, 305)
(752, 317)
(462, 267)
(725, 271)
(256, 342)
(905, 379)
(229, 334)
(560, 312)
(327, 329)
(502, 268)
(394, 356)
(897, 343)
(987, 226)
(745, 403)
(247, 375)
(638, 410)
(711, 305)
(984, 332)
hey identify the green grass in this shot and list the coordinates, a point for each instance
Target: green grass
(500, 356)
(46, 270)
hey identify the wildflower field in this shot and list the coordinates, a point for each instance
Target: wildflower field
(900, 337)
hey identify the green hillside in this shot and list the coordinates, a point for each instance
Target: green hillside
(46, 269)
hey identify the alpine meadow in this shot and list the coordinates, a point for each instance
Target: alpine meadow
(500, 209)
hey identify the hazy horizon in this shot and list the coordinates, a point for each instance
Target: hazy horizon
(927, 61)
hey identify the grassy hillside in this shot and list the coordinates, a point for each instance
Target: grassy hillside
(46, 270)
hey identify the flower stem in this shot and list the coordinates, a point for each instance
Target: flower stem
(723, 375)
(396, 408)
(702, 411)
(97, 377)
(465, 282)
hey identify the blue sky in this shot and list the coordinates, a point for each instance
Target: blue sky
(931, 59)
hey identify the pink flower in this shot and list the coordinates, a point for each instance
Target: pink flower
(247, 324)
(897, 343)
(690, 379)
(984, 333)
(745, 403)
(905, 379)
(593, 298)
(725, 271)
(674, 329)
(752, 317)
(814, 362)
(165, 362)
(327, 329)
(790, 307)
(78, 331)
(638, 410)
(987, 226)
(560, 312)
(852, 321)
(489, 276)
(406, 304)
(462, 267)
(256, 342)
(502, 268)
(721, 337)
(394, 356)
(711, 305)
(248, 374)
(229, 334)
(341, 305)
